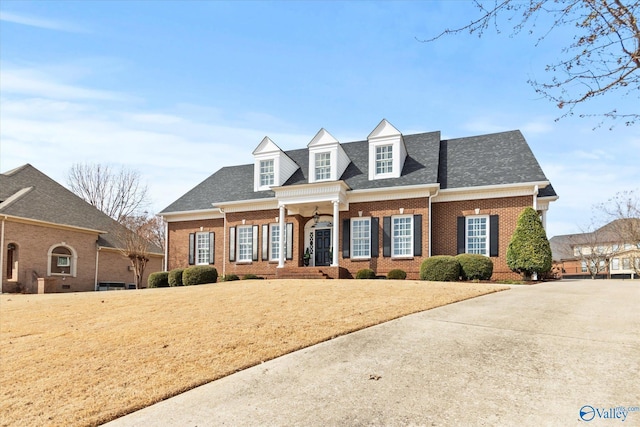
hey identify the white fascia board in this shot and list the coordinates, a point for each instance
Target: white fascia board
(393, 193)
(489, 191)
(191, 215)
(16, 196)
(50, 224)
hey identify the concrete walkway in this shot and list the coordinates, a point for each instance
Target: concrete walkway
(533, 355)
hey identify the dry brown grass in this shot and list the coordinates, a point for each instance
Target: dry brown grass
(86, 358)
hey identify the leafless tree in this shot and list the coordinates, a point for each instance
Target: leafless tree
(135, 245)
(623, 210)
(595, 247)
(118, 193)
(602, 57)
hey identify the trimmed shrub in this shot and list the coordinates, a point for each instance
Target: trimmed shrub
(475, 266)
(230, 278)
(199, 274)
(251, 277)
(365, 273)
(159, 279)
(175, 277)
(529, 250)
(397, 274)
(440, 268)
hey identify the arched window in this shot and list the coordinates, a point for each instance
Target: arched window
(62, 260)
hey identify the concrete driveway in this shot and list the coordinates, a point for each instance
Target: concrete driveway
(564, 353)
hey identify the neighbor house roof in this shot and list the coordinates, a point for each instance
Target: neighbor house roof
(500, 158)
(27, 193)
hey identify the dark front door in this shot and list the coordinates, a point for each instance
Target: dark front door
(323, 246)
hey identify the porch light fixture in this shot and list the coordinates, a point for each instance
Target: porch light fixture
(316, 217)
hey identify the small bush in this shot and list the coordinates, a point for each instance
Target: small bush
(397, 274)
(475, 266)
(159, 279)
(175, 277)
(230, 278)
(365, 273)
(199, 274)
(251, 277)
(440, 268)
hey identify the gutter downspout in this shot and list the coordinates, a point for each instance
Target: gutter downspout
(430, 225)
(166, 246)
(2, 254)
(95, 285)
(536, 189)
(224, 242)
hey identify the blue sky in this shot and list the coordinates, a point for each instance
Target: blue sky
(178, 90)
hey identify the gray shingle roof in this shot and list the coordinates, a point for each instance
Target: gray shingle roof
(500, 158)
(46, 200)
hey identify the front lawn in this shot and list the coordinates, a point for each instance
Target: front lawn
(87, 358)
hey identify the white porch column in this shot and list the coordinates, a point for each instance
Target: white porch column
(336, 232)
(283, 230)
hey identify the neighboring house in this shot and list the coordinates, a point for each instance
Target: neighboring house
(53, 241)
(607, 252)
(384, 203)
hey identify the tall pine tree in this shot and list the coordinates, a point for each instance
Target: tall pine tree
(529, 250)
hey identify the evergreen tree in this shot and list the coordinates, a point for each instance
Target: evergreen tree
(529, 249)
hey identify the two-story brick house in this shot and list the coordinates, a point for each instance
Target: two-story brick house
(386, 202)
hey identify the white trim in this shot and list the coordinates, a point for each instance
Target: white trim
(201, 233)
(351, 235)
(488, 191)
(178, 216)
(15, 196)
(238, 244)
(411, 236)
(487, 245)
(73, 271)
(51, 224)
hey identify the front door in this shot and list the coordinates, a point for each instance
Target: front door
(323, 247)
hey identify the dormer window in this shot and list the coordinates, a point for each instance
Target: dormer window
(272, 167)
(323, 166)
(327, 158)
(387, 152)
(384, 159)
(267, 176)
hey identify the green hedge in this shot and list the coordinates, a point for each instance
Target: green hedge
(365, 273)
(440, 268)
(475, 267)
(230, 278)
(199, 274)
(397, 274)
(251, 277)
(175, 277)
(159, 279)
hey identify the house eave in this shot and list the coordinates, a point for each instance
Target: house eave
(491, 191)
(51, 224)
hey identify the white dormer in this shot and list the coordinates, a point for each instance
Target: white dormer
(327, 158)
(272, 167)
(387, 151)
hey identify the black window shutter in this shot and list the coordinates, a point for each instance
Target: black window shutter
(386, 236)
(417, 235)
(288, 241)
(212, 247)
(461, 235)
(265, 242)
(232, 244)
(254, 243)
(192, 248)
(375, 237)
(494, 230)
(346, 238)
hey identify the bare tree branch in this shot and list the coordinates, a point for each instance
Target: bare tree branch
(603, 57)
(118, 193)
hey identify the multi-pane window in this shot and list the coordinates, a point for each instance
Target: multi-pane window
(361, 237)
(478, 235)
(275, 242)
(402, 232)
(245, 243)
(583, 265)
(267, 174)
(384, 159)
(615, 264)
(323, 166)
(626, 263)
(202, 248)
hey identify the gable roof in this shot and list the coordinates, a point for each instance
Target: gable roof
(500, 158)
(27, 193)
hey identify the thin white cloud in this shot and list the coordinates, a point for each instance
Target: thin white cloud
(30, 82)
(33, 21)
